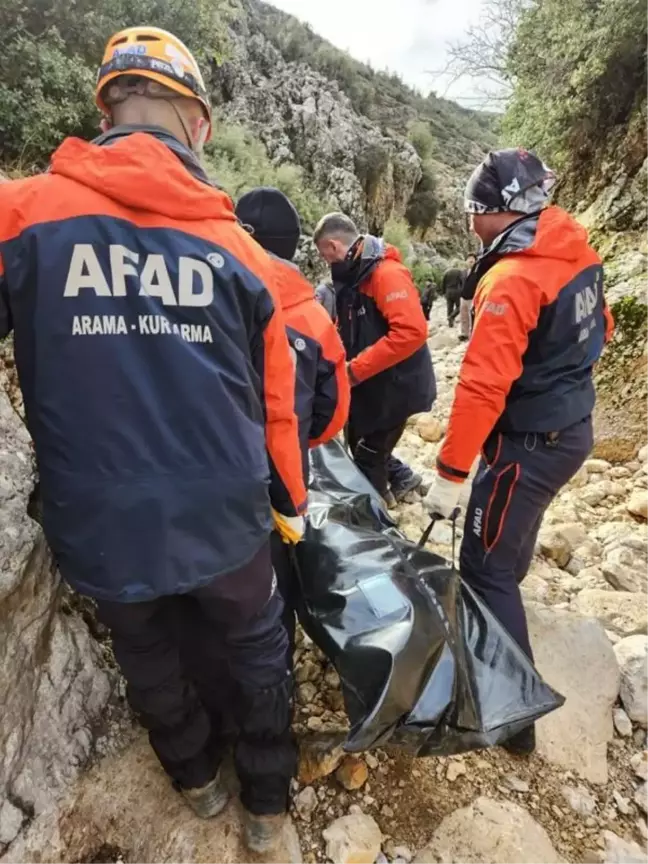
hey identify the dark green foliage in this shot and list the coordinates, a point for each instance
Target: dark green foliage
(631, 320)
(423, 206)
(51, 52)
(579, 70)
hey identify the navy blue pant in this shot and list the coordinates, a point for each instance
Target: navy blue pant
(187, 659)
(398, 472)
(372, 454)
(518, 477)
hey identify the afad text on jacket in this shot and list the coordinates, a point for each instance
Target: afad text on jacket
(540, 323)
(155, 369)
(384, 332)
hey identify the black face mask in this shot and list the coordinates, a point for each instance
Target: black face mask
(344, 271)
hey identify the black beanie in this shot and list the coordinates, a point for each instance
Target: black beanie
(272, 220)
(514, 180)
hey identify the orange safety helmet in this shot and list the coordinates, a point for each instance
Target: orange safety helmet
(155, 54)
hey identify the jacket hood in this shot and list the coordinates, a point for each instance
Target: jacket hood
(553, 233)
(293, 287)
(391, 253)
(365, 254)
(141, 172)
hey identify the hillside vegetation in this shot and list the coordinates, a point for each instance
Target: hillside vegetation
(48, 69)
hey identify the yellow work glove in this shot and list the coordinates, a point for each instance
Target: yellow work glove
(291, 528)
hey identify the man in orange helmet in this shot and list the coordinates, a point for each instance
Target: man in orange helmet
(159, 391)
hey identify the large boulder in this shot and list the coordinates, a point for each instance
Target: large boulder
(621, 851)
(495, 831)
(618, 611)
(305, 118)
(575, 656)
(54, 686)
(632, 656)
(127, 805)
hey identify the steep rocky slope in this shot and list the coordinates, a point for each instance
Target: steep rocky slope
(352, 142)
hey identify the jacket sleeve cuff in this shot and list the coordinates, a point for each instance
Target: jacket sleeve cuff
(353, 378)
(450, 473)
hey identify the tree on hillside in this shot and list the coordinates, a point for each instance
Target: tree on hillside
(423, 206)
(51, 54)
(591, 58)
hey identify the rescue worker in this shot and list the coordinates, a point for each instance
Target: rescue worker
(384, 333)
(159, 392)
(322, 393)
(465, 303)
(451, 286)
(525, 394)
(428, 297)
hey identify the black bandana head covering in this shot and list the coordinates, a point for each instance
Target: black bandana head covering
(512, 180)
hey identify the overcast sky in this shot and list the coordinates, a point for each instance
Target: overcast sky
(409, 36)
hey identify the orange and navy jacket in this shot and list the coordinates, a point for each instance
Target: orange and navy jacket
(156, 373)
(540, 323)
(384, 332)
(322, 392)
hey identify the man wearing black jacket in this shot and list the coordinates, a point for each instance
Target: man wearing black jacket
(467, 294)
(384, 333)
(452, 286)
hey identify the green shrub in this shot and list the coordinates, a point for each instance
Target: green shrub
(238, 162)
(423, 206)
(422, 139)
(422, 272)
(631, 323)
(397, 233)
(51, 53)
(579, 70)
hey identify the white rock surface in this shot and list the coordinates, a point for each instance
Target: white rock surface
(127, 802)
(575, 656)
(641, 797)
(353, 839)
(53, 681)
(622, 723)
(618, 611)
(489, 831)
(305, 803)
(580, 799)
(638, 504)
(632, 657)
(620, 851)
(639, 764)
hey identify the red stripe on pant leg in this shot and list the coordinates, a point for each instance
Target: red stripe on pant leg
(516, 468)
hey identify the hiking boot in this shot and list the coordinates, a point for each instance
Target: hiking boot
(207, 801)
(389, 499)
(263, 833)
(522, 743)
(407, 484)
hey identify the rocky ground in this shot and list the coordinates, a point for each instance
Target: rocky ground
(582, 797)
